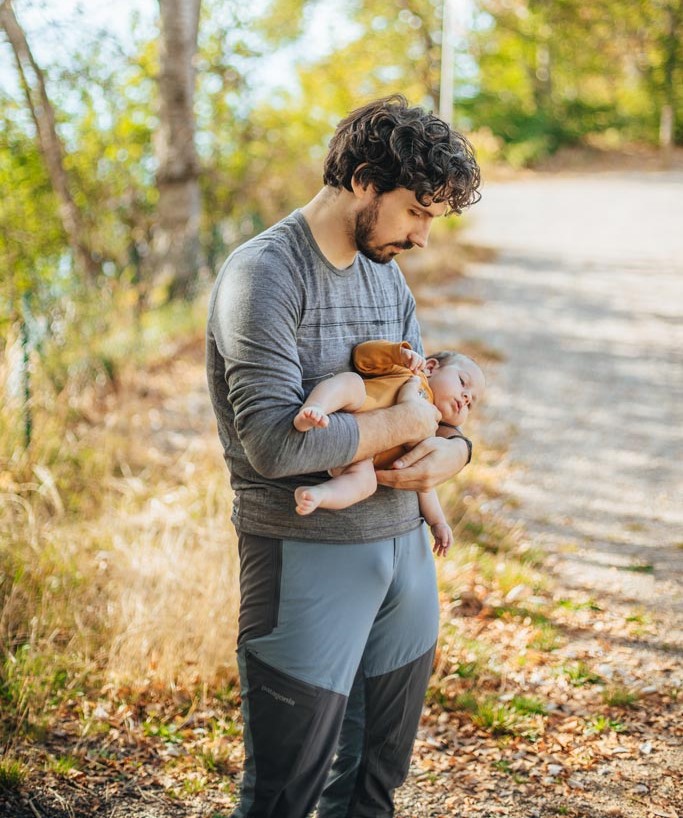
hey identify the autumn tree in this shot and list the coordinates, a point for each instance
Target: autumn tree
(551, 72)
(51, 147)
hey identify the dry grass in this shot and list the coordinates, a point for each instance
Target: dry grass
(117, 558)
(172, 579)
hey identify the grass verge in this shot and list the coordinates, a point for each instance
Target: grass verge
(116, 553)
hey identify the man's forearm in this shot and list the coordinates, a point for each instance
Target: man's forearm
(384, 429)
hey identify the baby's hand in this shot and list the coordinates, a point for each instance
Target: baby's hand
(443, 538)
(412, 360)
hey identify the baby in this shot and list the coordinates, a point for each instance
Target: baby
(393, 373)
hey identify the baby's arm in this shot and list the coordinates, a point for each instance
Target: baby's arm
(431, 510)
(386, 358)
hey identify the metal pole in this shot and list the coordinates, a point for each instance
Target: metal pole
(26, 372)
(447, 51)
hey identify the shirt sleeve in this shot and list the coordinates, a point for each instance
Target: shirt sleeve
(254, 322)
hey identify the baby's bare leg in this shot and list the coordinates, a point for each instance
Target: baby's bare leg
(340, 393)
(356, 482)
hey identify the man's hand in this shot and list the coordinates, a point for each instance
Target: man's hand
(412, 393)
(431, 462)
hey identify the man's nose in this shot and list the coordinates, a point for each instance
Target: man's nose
(419, 236)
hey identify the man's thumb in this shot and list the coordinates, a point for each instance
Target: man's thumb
(409, 458)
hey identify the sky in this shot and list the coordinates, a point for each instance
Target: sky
(55, 28)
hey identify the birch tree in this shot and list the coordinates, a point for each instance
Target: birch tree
(177, 253)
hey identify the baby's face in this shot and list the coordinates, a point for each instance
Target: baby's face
(456, 387)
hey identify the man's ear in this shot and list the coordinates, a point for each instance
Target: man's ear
(360, 190)
(431, 365)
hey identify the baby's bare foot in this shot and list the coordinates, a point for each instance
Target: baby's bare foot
(308, 417)
(307, 499)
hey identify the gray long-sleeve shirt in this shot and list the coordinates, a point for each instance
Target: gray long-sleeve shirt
(281, 319)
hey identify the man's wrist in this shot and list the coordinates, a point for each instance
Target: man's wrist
(468, 443)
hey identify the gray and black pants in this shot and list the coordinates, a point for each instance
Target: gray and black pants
(335, 650)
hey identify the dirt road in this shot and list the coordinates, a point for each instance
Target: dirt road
(585, 303)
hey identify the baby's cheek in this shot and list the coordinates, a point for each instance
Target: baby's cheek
(461, 417)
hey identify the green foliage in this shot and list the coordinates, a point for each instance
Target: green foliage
(496, 717)
(63, 765)
(505, 611)
(528, 705)
(602, 724)
(192, 786)
(620, 696)
(282, 20)
(572, 605)
(538, 90)
(168, 733)
(545, 638)
(33, 680)
(466, 701)
(12, 774)
(537, 76)
(580, 674)
(31, 238)
(640, 568)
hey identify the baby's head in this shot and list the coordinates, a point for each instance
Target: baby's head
(457, 383)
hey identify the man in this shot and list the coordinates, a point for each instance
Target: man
(337, 608)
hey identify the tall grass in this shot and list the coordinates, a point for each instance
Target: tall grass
(117, 558)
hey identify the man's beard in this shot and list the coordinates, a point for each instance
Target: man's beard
(363, 234)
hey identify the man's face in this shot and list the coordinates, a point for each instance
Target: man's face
(391, 222)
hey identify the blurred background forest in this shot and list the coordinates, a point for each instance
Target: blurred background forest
(139, 145)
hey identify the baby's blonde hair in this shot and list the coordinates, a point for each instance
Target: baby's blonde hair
(449, 358)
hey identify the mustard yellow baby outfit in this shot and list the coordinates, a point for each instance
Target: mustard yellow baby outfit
(380, 364)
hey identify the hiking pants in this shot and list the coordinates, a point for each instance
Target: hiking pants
(335, 650)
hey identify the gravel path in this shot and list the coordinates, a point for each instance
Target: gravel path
(584, 301)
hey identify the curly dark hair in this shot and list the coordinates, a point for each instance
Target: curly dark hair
(389, 144)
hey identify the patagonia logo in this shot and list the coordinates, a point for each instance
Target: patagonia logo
(278, 696)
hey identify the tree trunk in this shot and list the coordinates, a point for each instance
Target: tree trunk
(176, 238)
(542, 76)
(33, 84)
(667, 122)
